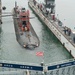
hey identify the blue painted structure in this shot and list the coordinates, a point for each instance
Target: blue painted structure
(61, 65)
(58, 65)
(20, 66)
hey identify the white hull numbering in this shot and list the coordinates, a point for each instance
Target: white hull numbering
(57, 30)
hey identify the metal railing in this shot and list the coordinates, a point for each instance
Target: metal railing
(60, 62)
(16, 62)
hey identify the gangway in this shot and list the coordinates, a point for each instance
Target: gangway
(66, 67)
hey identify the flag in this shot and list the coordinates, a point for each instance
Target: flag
(39, 53)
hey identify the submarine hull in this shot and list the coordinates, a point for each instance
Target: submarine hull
(27, 39)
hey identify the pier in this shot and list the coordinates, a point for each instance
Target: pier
(55, 26)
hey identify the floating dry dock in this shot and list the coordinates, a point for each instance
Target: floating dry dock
(55, 26)
(27, 39)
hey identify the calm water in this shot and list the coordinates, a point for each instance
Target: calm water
(52, 48)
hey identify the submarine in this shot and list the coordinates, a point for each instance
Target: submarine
(25, 34)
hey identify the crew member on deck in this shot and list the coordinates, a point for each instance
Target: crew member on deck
(65, 29)
(69, 31)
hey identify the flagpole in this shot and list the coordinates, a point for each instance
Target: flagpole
(40, 53)
(42, 63)
(43, 56)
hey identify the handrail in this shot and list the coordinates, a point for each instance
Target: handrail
(60, 62)
(16, 62)
(26, 63)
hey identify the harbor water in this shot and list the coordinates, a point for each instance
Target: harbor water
(10, 50)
